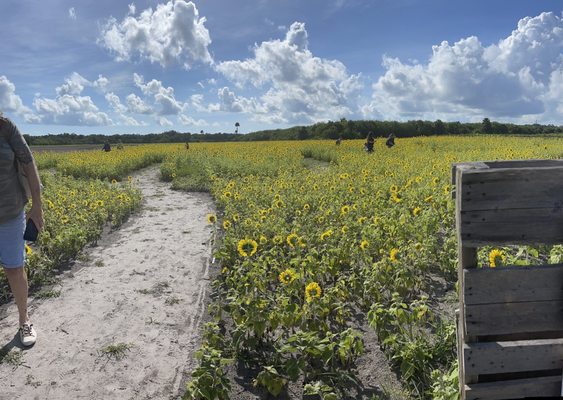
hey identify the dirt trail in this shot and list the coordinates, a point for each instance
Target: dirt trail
(143, 285)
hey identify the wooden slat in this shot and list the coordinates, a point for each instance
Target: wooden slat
(509, 318)
(515, 226)
(513, 284)
(489, 189)
(517, 356)
(517, 389)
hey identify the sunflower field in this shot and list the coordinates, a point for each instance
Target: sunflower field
(318, 241)
(315, 244)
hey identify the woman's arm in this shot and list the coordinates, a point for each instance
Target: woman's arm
(36, 212)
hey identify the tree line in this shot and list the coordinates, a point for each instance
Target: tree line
(344, 129)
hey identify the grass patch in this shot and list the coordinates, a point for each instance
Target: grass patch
(13, 358)
(191, 183)
(48, 294)
(172, 300)
(115, 351)
(158, 289)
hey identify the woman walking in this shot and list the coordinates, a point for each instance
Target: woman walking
(16, 160)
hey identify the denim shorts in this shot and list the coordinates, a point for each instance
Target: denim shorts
(12, 245)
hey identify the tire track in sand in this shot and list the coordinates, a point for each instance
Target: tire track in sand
(144, 285)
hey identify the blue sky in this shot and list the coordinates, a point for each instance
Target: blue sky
(112, 66)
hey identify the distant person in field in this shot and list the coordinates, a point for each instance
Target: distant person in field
(390, 140)
(370, 142)
(187, 145)
(338, 141)
(15, 154)
(106, 147)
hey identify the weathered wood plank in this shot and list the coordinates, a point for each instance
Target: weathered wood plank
(509, 318)
(511, 226)
(517, 356)
(517, 389)
(513, 284)
(489, 189)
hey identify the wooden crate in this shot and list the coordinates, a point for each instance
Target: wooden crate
(510, 320)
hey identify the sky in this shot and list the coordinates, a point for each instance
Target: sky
(115, 67)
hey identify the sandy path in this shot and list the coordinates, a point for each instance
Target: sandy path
(143, 285)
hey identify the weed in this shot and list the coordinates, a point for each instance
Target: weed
(48, 294)
(172, 300)
(116, 351)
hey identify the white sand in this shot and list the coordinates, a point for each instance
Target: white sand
(164, 251)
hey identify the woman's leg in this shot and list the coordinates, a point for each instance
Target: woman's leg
(18, 283)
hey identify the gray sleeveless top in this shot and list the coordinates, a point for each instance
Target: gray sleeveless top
(12, 147)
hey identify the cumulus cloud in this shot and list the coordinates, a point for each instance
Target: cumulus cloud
(121, 110)
(189, 121)
(70, 107)
(299, 87)
(171, 34)
(67, 109)
(11, 102)
(513, 79)
(231, 103)
(163, 96)
(72, 13)
(163, 121)
(136, 105)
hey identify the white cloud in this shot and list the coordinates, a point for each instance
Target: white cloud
(121, 110)
(75, 84)
(69, 109)
(72, 13)
(132, 9)
(300, 88)
(163, 121)
(136, 105)
(163, 96)
(187, 120)
(172, 34)
(115, 103)
(514, 79)
(229, 102)
(10, 101)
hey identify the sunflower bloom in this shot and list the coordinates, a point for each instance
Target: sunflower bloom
(292, 240)
(211, 218)
(28, 249)
(496, 258)
(247, 247)
(226, 224)
(312, 291)
(364, 244)
(326, 234)
(345, 210)
(287, 276)
(393, 254)
(277, 239)
(416, 211)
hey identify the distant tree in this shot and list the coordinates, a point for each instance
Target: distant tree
(236, 127)
(201, 132)
(302, 133)
(486, 126)
(439, 127)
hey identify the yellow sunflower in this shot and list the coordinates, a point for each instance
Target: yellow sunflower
(247, 247)
(393, 254)
(326, 234)
(211, 218)
(312, 291)
(496, 258)
(226, 224)
(287, 276)
(292, 240)
(416, 211)
(364, 244)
